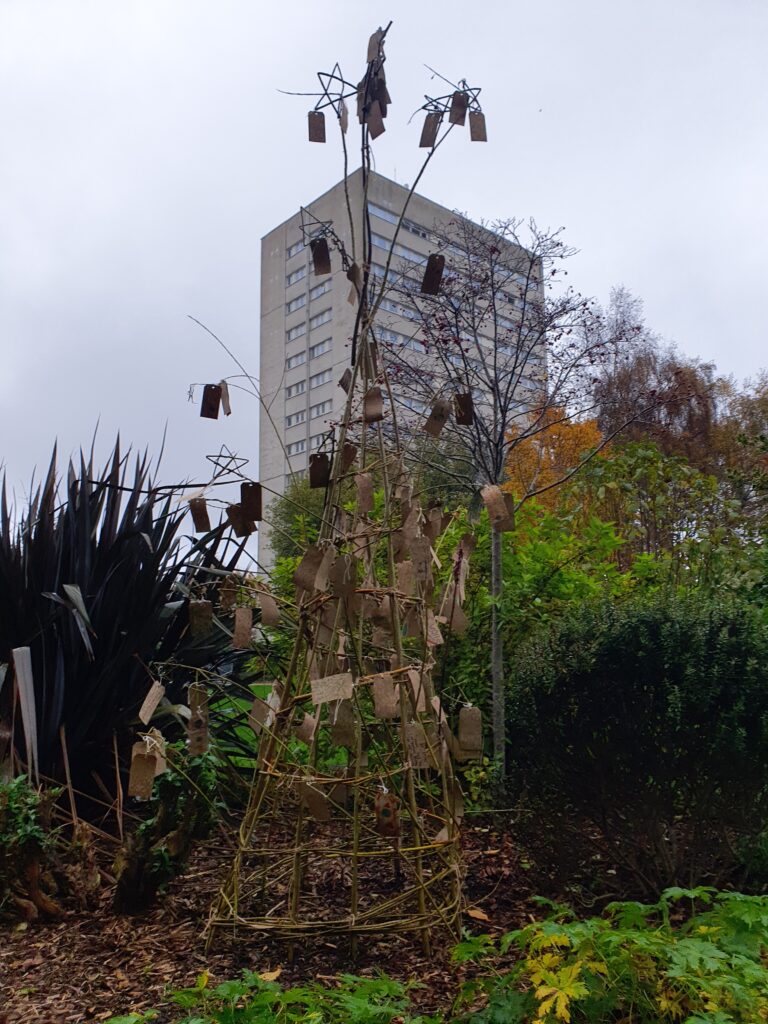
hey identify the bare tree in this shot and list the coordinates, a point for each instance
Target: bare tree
(515, 352)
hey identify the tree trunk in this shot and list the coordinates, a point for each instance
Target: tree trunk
(497, 655)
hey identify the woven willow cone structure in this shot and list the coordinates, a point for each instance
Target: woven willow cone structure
(353, 820)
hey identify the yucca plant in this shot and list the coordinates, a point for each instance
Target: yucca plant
(93, 577)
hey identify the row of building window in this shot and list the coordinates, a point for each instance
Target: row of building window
(393, 218)
(295, 276)
(314, 350)
(300, 446)
(314, 382)
(314, 321)
(314, 293)
(398, 249)
(314, 411)
(395, 338)
(294, 250)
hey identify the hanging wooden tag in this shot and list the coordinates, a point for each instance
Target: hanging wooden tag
(306, 729)
(456, 799)
(387, 818)
(243, 628)
(429, 132)
(343, 723)
(319, 470)
(413, 621)
(142, 774)
(421, 555)
(471, 732)
(433, 274)
(339, 795)
(382, 638)
(477, 132)
(348, 455)
(464, 409)
(148, 707)
(270, 613)
(375, 120)
(343, 117)
(200, 518)
(250, 500)
(345, 380)
(406, 583)
(373, 406)
(336, 687)
(364, 489)
(443, 725)
(343, 575)
(225, 403)
(197, 726)
(434, 636)
(209, 407)
(458, 111)
(386, 696)
(416, 745)
(433, 526)
(315, 802)
(305, 577)
(200, 618)
(374, 45)
(355, 276)
(437, 419)
(321, 256)
(316, 126)
(239, 521)
(501, 507)
(228, 594)
(418, 690)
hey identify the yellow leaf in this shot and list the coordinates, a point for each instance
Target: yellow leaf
(271, 975)
(477, 914)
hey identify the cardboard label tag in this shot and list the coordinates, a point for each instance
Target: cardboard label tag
(477, 129)
(200, 518)
(501, 507)
(343, 576)
(316, 126)
(375, 120)
(321, 256)
(434, 636)
(336, 687)
(418, 691)
(200, 618)
(373, 406)
(416, 745)
(386, 696)
(228, 594)
(319, 470)
(154, 695)
(386, 806)
(270, 613)
(243, 628)
(250, 500)
(471, 731)
(458, 111)
(437, 419)
(209, 408)
(142, 773)
(239, 521)
(345, 381)
(315, 801)
(197, 726)
(364, 489)
(464, 409)
(343, 723)
(429, 132)
(312, 571)
(433, 274)
(406, 582)
(306, 729)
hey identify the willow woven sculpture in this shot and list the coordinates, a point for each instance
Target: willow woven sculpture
(353, 820)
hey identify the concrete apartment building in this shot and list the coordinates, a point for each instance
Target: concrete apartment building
(307, 322)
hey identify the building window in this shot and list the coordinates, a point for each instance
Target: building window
(393, 218)
(320, 347)
(316, 440)
(296, 276)
(296, 332)
(296, 303)
(297, 447)
(320, 409)
(296, 389)
(320, 289)
(295, 418)
(321, 318)
(397, 249)
(397, 307)
(395, 338)
(414, 404)
(297, 360)
(320, 378)
(294, 250)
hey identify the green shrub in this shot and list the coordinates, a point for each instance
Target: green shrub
(643, 728)
(635, 963)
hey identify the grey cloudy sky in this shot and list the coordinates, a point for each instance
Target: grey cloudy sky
(145, 150)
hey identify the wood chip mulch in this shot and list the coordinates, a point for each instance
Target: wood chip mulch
(93, 964)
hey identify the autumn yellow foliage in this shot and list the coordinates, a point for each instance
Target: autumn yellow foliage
(544, 458)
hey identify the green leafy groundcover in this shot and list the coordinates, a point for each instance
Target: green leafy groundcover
(694, 957)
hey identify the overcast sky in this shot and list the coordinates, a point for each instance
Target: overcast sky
(144, 151)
